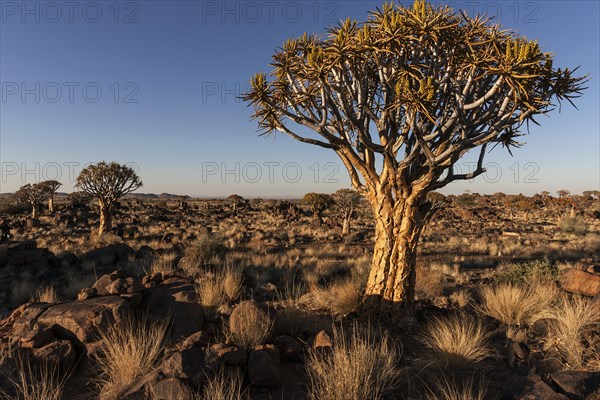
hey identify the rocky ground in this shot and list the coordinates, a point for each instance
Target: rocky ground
(208, 299)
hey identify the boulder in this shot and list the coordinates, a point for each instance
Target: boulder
(171, 388)
(263, 366)
(188, 364)
(532, 387)
(580, 282)
(290, 348)
(82, 320)
(125, 286)
(576, 384)
(238, 320)
(176, 298)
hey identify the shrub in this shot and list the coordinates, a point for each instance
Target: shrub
(528, 272)
(429, 283)
(359, 367)
(575, 224)
(206, 249)
(456, 340)
(451, 389)
(339, 298)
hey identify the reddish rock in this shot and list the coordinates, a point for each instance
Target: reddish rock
(290, 348)
(87, 293)
(83, 319)
(125, 286)
(580, 282)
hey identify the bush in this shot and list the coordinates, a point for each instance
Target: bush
(528, 272)
(574, 225)
(206, 249)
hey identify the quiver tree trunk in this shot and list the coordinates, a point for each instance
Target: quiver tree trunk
(51, 204)
(346, 225)
(34, 210)
(105, 218)
(398, 225)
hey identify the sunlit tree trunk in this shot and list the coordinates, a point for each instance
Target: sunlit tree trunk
(105, 218)
(398, 225)
(51, 204)
(34, 210)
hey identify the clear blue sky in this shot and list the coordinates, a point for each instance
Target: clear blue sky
(154, 84)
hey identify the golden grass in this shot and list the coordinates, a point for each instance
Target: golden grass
(46, 295)
(455, 340)
(340, 298)
(429, 282)
(40, 382)
(461, 298)
(128, 351)
(360, 367)
(232, 282)
(450, 389)
(515, 304)
(210, 290)
(570, 317)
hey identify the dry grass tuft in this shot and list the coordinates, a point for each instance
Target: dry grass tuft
(445, 389)
(515, 304)
(461, 298)
(429, 282)
(46, 295)
(456, 340)
(42, 382)
(210, 291)
(225, 386)
(340, 298)
(232, 282)
(128, 351)
(570, 317)
(359, 367)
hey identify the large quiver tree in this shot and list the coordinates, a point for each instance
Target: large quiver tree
(108, 183)
(400, 99)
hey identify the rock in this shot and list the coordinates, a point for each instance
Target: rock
(171, 388)
(580, 282)
(199, 339)
(125, 286)
(229, 355)
(322, 339)
(102, 284)
(60, 353)
(134, 299)
(176, 298)
(109, 255)
(263, 366)
(248, 311)
(155, 278)
(532, 387)
(87, 293)
(38, 337)
(576, 384)
(82, 320)
(188, 364)
(290, 348)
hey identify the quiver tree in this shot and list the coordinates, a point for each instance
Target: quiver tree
(51, 186)
(346, 203)
(318, 203)
(34, 194)
(107, 183)
(400, 99)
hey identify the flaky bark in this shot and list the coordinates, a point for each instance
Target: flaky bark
(34, 210)
(51, 204)
(105, 218)
(398, 225)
